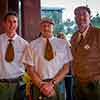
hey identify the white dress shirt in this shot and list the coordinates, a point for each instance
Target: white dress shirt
(34, 56)
(15, 68)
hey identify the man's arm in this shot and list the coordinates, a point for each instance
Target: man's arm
(58, 77)
(34, 76)
(61, 74)
(40, 84)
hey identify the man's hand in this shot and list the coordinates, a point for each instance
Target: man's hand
(47, 88)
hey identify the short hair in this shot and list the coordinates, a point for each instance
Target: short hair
(82, 8)
(10, 13)
(61, 35)
(47, 20)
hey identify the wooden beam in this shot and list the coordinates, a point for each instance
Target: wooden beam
(30, 19)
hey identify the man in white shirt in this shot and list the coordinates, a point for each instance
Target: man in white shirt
(47, 75)
(11, 70)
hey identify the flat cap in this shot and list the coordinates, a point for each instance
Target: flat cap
(82, 8)
(47, 20)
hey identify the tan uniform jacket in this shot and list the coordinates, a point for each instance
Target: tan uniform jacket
(86, 63)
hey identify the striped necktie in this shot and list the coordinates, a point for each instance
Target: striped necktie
(9, 55)
(48, 51)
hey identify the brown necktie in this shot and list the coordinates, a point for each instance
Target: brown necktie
(9, 55)
(48, 51)
(81, 39)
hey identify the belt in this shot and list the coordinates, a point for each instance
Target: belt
(13, 80)
(47, 80)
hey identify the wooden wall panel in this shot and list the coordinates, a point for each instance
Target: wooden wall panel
(3, 10)
(30, 19)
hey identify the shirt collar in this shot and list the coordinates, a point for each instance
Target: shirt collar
(15, 36)
(84, 33)
(51, 38)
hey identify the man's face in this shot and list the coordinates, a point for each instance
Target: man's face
(11, 24)
(82, 18)
(46, 29)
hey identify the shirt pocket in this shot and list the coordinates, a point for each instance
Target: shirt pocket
(60, 54)
(18, 53)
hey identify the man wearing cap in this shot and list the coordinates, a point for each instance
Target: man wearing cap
(86, 52)
(47, 72)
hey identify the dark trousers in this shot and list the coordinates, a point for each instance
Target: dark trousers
(12, 90)
(87, 91)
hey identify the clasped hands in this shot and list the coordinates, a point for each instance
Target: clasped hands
(47, 88)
